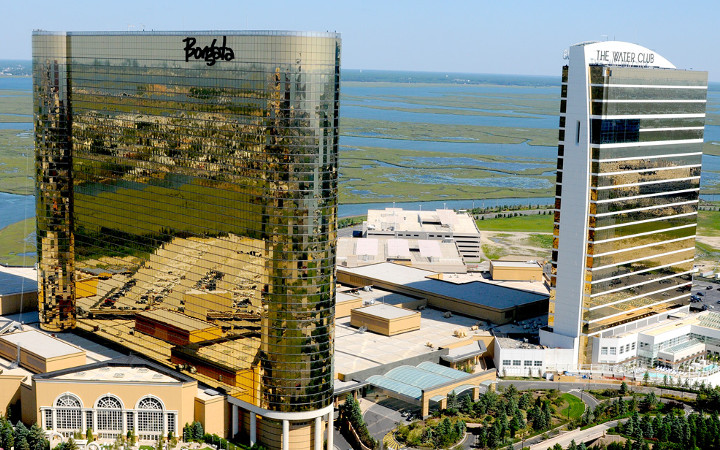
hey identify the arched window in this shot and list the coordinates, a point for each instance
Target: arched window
(150, 415)
(68, 412)
(109, 414)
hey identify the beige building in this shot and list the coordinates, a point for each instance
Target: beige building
(516, 270)
(117, 396)
(18, 290)
(387, 320)
(39, 352)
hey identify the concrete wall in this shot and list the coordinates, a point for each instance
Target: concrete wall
(342, 309)
(212, 413)
(10, 391)
(14, 303)
(384, 326)
(516, 273)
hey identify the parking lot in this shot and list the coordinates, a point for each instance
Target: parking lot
(708, 297)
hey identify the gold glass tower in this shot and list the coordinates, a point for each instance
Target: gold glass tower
(187, 200)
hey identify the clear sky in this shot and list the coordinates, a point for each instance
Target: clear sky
(478, 36)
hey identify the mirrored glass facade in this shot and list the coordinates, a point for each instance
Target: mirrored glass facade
(644, 151)
(192, 177)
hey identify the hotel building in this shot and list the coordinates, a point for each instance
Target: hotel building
(193, 175)
(629, 159)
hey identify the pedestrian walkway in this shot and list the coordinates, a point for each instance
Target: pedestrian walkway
(390, 442)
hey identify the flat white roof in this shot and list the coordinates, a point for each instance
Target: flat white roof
(445, 221)
(41, 344)
(343, 297)
(430, 249)
(519, 264)
(398, 248)
(366, 246)
(386, 311)
(15, 280)
(118, 374)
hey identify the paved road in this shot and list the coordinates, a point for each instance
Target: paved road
(710, 297)
(382, 417)
(577, 435)
(348, 231)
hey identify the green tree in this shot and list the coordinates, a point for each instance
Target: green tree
(624, 389)
(71, 444)
(511, 393)
(452, 403)
(7, 434)
(197, 431)
(21, 433)
(514, 426)
(467, 405)
(36, 438)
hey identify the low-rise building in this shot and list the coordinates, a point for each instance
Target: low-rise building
(385, 319)
(472, 297)
(529, 270)
(18, 290)
(441, 224)
(435, 255)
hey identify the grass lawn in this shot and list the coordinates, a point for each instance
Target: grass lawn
(494, 251)
(534, 224)
(575, 406)
(708, 223)
(13, 243)
(541, 240)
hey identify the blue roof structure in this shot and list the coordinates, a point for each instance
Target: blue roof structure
(485, 294)
(411, 381)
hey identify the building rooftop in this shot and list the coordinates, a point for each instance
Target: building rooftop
(466, 351)
(375, 295)
(424, 254)
(15, 280)
(410, 381)
(443, 221)
(514, 343)
(120, 374)
(41, 344)
(386, 311)
(486, 294)
(520, 264)
(343, 297)
(356, 351)
(132, 368)
(177, 319)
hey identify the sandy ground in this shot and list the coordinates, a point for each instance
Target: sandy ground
(513, 243)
